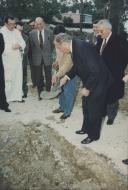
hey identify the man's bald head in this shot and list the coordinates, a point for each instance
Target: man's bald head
(39, 22)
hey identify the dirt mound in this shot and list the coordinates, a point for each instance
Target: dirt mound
(36, 157)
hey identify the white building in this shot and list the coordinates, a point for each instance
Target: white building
(76, 17)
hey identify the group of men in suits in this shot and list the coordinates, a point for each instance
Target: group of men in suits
(101, 70)
(38, 52)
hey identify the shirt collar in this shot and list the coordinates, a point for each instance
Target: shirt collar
(108, 37)
(71, 46)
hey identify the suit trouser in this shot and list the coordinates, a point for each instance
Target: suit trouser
(93, 111)
(112, 110)
(33, 75)
(25, 63)
(48, 76)
(38, 75)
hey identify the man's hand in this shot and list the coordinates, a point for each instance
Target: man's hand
(16, 46)
(55, 66)
(85, 92)
(125, 78)
(64, 80)
(54, 80)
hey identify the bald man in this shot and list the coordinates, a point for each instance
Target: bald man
(41, 43)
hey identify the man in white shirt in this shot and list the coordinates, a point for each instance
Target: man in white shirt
(12, 60)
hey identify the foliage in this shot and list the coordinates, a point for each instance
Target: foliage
(67, 20)
(29, 8)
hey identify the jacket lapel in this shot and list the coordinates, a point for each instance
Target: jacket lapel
(36, 38)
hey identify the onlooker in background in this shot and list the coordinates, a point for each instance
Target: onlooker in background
(12, 60)
(68, 91)
(19, 26)
(93, 37)
(96, 79)
(41, 44)
(32, 26)
(114, 51)
(3, 103)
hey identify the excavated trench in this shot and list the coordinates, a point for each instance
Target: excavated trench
(36, 157)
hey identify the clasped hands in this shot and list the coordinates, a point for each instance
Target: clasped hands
(16, 46)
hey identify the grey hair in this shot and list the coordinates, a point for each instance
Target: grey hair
(105, 23)
(39, 19)
(63, 37)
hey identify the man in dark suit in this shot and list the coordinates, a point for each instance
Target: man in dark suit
(41, 44)
(96, 80)
(114, 51)
(3, 103)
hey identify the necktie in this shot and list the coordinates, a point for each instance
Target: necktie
(41, 40)
(103, 46)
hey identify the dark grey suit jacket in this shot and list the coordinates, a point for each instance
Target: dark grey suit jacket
(36, 54)
(90, 67)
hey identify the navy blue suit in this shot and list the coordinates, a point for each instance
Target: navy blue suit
(95, 76)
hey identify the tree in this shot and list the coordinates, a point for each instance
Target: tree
(67, 21)
(115, 10)
(30, 8)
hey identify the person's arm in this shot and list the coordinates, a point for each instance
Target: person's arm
(93, 69)
(21, 43)
(66, 65)
(71, 74)
(1, 44)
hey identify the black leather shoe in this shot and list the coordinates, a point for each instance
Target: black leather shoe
(39, 98)
(7, 110)
(110, 121)
(57, 111)
(24, 96)
(22, 101)
(80, 132)
(87, 141)
(64, 116)
(125, 161)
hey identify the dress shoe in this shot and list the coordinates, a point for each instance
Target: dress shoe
(6, 109)
(24, 96)
(110, 121)
(80, 132)
(22, 101)
(88, 140)
(39, 98)
(125, 161)
(57, 111)
(64, 116)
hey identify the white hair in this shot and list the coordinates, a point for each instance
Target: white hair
(63, 37)
(105, 23)
(39, 19)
